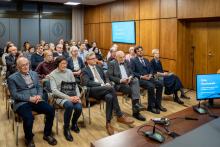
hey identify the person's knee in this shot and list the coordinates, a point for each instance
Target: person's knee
(78, 108)
(108, 97)
(51, 110)
(68, 105)
(28, 121)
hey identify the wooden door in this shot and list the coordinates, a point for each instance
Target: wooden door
(213, 47)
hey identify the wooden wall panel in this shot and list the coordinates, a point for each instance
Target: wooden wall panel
(105, 12)
(149, 35)
(117, 11)
(149, 9)
(198, 8)
(105, 35)
(168, 38)
(96, 13)
(94, 33)
(87, 18)
(131, 10)
(168, 8)
(86, 31)
(169, 65)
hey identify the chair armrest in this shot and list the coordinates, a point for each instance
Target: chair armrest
(113, 83)
(83, 95)
(155, 76)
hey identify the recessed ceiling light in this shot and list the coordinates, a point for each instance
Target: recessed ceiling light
(71, 3)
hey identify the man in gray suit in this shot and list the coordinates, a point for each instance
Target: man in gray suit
(119, 71)
(27, 92)
(99, 87)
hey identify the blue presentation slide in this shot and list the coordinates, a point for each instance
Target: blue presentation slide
(123, 32)
(208, 86)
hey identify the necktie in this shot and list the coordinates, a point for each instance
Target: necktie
(98, 76)
(142, 61)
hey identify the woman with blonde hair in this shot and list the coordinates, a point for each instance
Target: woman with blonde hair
(131, 54)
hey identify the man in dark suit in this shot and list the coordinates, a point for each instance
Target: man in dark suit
(99, 88)
(142, 70)
(10, 59)
(27, 92)
(60, 51)
(119, 71)
(38, 57)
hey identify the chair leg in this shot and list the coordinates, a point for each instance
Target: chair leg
(103, 104)
(123, 100)
(6, 102)
(140, 99)
(89, 114)
(84, 119)
(17, 134)
(57, 122)
(9, 110)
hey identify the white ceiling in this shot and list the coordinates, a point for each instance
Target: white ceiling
(84, 2)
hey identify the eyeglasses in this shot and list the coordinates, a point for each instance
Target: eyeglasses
(24, 65)
(92, 59)
(63, 64)
(140, 51)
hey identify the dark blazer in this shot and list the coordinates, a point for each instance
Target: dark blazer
(71, 66)
(9, 61)
(88, 78)
(156, 67)
(20, 91)
(63, 53)
(114, 73)
(137, 66)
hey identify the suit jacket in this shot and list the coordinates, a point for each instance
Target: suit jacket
(63, 53)
(114, 73)
(88, 78)
(71, 66)
(9, 61)
(137, 67)
(20, 91)
(156, 67)
(84, 52)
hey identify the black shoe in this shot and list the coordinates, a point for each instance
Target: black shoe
(75, 128)
(161, 108)
(138, 116)
(153, 110)
(184, 96)
(178, 101)
(67, 134)
(29, 143)
(50, 139)
(138, 107)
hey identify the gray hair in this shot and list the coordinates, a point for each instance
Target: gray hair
(131, 48)
(88, 54)
(73, 48)
(17, 62)
(115, 45)
(112, 48)
(50, 45)
(154, 50)
(60, 45)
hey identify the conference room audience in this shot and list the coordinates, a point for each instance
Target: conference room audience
(75, 63)
(26, 90)
(73, 43)
(51, 47)
(113, 52)
(69, 102)
(66, 47)
(44, 69)
(45, 46)
(29, 53)
(37, 57)
(172, 83)
(109, 53)
(131, 54)
(60, 51)
(99, 87)
(97, 54)
(13, 68)
(42, 43)
(86, 41)
(60, 41)
(120, 73)
(142, 70)
(26, 47)
(4, 68)
(82, 51)
(10, 59)
(7, 44)
(78, 44)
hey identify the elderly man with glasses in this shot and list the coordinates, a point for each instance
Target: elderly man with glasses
(60, 51)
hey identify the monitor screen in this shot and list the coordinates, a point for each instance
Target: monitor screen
(123, 32)
(208, 86)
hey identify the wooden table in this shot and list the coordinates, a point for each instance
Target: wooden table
(130, 138)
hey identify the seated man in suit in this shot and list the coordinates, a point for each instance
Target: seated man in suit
(27, 92)
(38, 57)
(60, 51)
(119, 71)
(82, 51)
(99, 88)
(10, 59)
(142, 70)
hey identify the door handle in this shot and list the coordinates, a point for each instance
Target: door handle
(210, 54)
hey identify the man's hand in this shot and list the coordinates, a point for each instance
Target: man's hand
(36, 99)
(79, 72)
(124, 81)
(107, 84)
(75, 99)
(128, 81)
(47, 76)
(165, 74)
(148, 77)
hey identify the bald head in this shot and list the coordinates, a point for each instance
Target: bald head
(23, 65)
(120, 56)
(21, 60)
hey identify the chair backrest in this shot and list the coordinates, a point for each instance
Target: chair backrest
(218, 72)
(81, 79)
(42, 84)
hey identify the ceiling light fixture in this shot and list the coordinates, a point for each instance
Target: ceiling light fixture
(71, 3)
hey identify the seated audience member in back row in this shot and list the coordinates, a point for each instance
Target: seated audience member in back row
(10, 59)
(94, 44)
(45, 46)
(66, 47)
(13, 68)
(29, 53)
(27, 92)
(109, 53)
(26, 47)
(72, 43)
(131, 54)
(75, 63)
(60, 51)
(37, 57)
(68, 101)
(113, 52)
(44, 69)
(82, 51)
(142, 70)
(78, 44)
(4, 68)
(7, 44)
(51, 47)
(99, 87)
(100, 58)
(86, 41)
(119, 71)
(172, 83)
